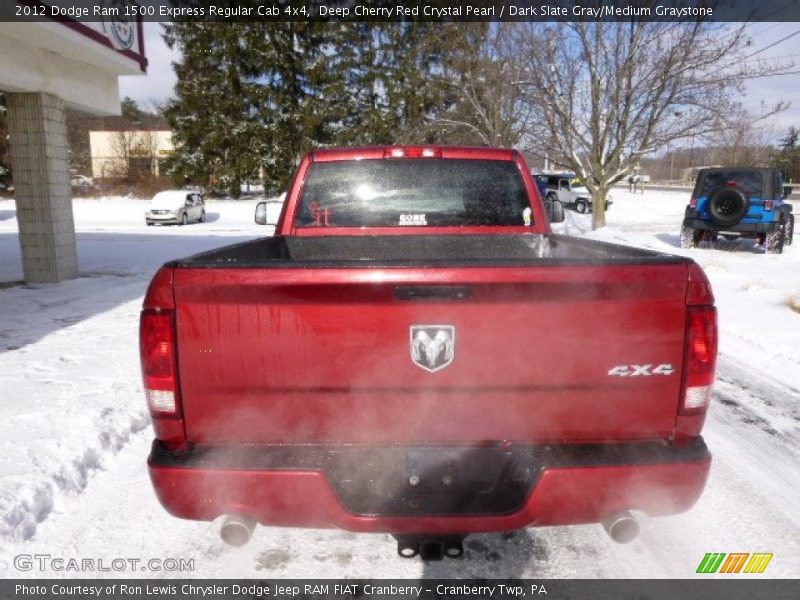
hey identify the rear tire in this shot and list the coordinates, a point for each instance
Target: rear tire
(690, 237)
(773, 243)
(203, 217)
(581, 206)
(727, 206)
(185, 219)
(788, 229)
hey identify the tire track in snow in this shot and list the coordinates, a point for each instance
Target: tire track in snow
(746, 507)
(67, 411)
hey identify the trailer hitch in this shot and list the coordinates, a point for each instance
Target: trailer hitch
(430, 547)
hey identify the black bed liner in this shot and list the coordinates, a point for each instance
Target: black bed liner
(422, 250)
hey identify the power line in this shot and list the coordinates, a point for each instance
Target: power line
(775, 74)
(783, 39)
(763, 18)
(763, 31)
(778, 57)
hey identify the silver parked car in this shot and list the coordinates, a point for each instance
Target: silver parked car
(569, 190)
(176, 206)
(81, 181)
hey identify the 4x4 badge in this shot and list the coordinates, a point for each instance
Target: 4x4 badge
(641, 370)
(433, 347)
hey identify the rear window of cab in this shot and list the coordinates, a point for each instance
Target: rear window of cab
(750, 182)
(413, 192)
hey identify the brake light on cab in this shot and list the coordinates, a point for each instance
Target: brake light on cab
(412, 152)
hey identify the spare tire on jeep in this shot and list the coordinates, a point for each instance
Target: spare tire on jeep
(727, 206)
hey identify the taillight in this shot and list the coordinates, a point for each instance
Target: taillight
(693, 202)
(412, 152)
(698, 291)
(767, 204)
(701, 358)
(157, 351)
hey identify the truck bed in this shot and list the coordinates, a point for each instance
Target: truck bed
(305, 340)
(422, 250)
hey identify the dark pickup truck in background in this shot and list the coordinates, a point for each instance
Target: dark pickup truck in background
(415, 352)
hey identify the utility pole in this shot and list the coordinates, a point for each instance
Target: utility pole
(671, 162)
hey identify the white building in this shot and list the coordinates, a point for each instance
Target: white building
(121, 153)
(48, 63)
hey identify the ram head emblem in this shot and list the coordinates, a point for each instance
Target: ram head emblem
(433, 347)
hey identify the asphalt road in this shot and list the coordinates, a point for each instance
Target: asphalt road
(794, 198)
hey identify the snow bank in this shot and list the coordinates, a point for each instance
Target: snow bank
(69, 383)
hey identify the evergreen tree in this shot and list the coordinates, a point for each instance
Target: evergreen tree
(254, 97)
(788, 158)
(289, 100)
(131, 112)
(390, 81)
(212, 117)
(354, 97)
(417, 59)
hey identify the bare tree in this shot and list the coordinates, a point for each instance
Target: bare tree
(743, 142)
(489, 109)
(134, 153)
(605, 94)
(120, 143)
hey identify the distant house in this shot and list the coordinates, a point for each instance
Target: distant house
(690, 173)
(120, 154)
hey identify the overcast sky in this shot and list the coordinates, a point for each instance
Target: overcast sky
(157, 86)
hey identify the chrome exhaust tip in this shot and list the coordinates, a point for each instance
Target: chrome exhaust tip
(236, 530)
(622, 527)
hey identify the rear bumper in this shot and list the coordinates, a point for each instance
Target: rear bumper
(745, 228)
(589, 201)
(309, 486)
(170, 218)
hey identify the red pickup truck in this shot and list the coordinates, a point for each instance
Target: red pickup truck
(415, 352)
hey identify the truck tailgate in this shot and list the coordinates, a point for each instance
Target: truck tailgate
(539, 353)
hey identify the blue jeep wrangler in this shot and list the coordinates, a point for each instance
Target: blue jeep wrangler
(739, 202)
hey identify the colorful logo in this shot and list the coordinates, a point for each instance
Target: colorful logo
(735, 562)
(120, 28)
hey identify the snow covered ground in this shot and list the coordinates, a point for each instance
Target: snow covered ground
(74, 432)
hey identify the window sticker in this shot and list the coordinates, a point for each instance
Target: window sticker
(321, 216)
(413, 220)
(526, 216)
